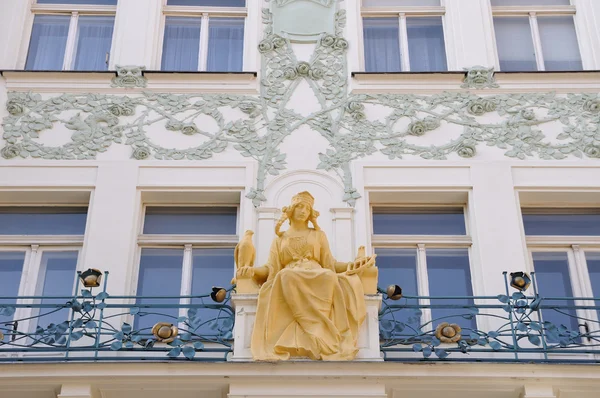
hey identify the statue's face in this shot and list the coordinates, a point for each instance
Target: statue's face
(301, 212)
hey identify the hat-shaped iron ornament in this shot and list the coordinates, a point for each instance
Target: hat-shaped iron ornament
(91, 277)
(520, 280)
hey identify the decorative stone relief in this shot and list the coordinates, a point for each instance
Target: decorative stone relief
(303, 20)
(129, 77)
(479, 77)
(515, 126)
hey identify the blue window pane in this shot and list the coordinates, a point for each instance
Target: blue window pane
(211, 267)
(382, 44)
(426, 48)
(58, 270)
(181, 45)
(42, 220)
(160, 275)
(48, 42)
(208, 3)
(225, 44)
(94, 2)
(397, 3)
(450, 275)
(94, 38)
(399, 221)
(11, 269)
(191, 220)
(559, 43)
(552, 277)
(556, 222)
(399, 267)
(593, 263)
(531, 2)
(515, 44)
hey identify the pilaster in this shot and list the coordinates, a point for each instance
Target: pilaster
(75, 391)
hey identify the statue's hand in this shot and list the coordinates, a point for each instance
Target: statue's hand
(359, 265)
(244, 273)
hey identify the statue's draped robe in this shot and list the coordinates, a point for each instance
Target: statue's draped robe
(306, 309)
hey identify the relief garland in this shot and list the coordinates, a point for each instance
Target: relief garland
(98, 120)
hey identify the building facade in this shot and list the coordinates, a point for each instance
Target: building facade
(456, 139)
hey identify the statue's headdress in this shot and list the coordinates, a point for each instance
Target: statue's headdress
(302, 197)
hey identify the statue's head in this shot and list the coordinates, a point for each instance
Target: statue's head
(301, 209)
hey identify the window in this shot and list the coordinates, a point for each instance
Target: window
(204, 35)
(71, 35)
(44, 243)
(425, 251)
(403, 35)
(536, 35)
(184, 251)
(564, 246)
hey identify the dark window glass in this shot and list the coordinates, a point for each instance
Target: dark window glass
(515, 44)
(93, 2)
(48, 42)
(574, 222)
(160, 275)
(181, 45)
(553, 280)
(382, 44)
(211, 267)
(399, 267)
(450, 275)
(94, 37)
(418, 221)
(42, 220)
(191, 220)
(559, 43)
(208, 3)
(225, 44)
(58, 270)
(531, 2)
(593, 263)
(426, 47)
(11, 269)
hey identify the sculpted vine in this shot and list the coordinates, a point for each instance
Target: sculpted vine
(355, 126)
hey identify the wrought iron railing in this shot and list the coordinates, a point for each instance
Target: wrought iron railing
(516, 326)
(95, 326)
(92, 325)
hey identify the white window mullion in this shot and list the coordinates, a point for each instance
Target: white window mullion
(31, 274)
(537, 41)
(71, 42)
(186, 278)
(423, 284)
(403, 32)
(203, 53)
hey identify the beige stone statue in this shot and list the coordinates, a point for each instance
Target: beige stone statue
(309, 304)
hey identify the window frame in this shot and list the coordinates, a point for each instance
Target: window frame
(187, 243)
(34, 247)
(205, 13)
(532, 12)
(74, 11)
(401, 12)
(423, 242)
(575, 247)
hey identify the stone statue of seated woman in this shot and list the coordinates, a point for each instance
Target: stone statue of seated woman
(309, 304)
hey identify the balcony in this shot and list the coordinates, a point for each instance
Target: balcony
(515, 326)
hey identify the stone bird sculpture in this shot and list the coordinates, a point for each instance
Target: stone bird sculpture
(244, 253)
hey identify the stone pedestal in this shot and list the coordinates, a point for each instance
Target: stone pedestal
(245, 313)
